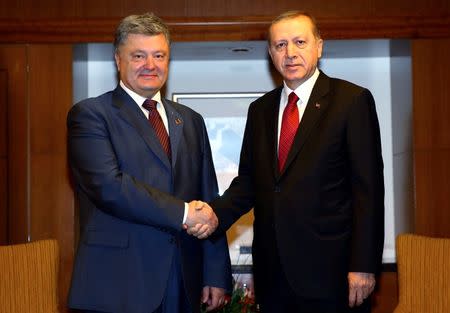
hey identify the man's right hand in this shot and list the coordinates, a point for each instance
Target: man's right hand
(201, 220)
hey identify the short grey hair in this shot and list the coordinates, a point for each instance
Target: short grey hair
(145, 24)
(294, 14)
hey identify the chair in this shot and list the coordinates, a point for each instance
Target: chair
(29, 277)
(423, 274)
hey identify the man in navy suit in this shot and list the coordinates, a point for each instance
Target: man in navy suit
(311, 167)
(139, 163)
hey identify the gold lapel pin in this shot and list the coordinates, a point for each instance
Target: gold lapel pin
(177, 121)
(317, 105)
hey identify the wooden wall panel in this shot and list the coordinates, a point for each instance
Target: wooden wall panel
(3, 159)
(51, 196)
(431, 116)
(431, 94)
(51, 9)
(385, 297)
(13, 60)
(94, 21)
(432, 168)
(3, 202)
(410, 7)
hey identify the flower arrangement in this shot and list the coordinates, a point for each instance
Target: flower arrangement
(238, 302)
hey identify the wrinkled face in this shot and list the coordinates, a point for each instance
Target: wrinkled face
(143, 63)
(294, 49)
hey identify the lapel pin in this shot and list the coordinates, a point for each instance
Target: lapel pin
(177, 121)
(317, 105)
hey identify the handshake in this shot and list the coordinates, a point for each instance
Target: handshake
(201, 221)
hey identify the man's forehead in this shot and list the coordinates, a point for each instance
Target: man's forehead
(291, 28)
(146, 42)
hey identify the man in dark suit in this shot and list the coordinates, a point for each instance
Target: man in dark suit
(311, 167)
(139, 161)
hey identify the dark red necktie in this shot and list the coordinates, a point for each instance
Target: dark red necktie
(158, 125)
(289, 125)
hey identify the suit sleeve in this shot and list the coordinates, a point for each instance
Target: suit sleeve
(216, 258)
(366, 168)
(97, 173)
(239, 198)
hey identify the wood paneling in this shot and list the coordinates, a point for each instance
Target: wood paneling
(431, 116)
(75, 30)
(432, 168)
(13, 60)
(40, 199)
(385, 297)
(26, 9)
(51, 197)
(190, 20)
(3, 159)
(431, 94)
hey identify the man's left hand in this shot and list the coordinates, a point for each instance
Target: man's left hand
(361, 286)
(214, 297)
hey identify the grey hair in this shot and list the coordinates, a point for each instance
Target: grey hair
(294, 14)
(145, 24)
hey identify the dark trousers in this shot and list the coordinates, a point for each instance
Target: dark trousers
(281, 298)
(175, 300)
(275, 295)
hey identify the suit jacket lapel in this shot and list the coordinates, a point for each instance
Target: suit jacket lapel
(271, 115)
(132, 114)
(315, 108)
(175, 122)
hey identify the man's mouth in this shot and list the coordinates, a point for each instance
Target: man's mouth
(148, 75)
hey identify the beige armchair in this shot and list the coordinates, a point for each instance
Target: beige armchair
(423, 274)
(29, 277)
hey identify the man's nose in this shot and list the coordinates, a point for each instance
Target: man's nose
(291, 51)
(149, 62)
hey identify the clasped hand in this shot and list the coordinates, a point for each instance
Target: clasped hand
(201, 221)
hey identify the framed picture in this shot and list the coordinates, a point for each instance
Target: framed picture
(225, 116)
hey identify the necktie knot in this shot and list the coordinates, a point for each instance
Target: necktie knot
(293, 98)
(150, 104)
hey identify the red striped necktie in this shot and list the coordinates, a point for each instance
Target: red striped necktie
(289, 125)
(158, 125)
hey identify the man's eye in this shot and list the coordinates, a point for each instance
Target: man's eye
(280, 45)
(300, 42)
(138, 56)
(160, 56)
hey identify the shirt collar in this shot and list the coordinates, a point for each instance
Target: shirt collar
(304, 90)
(138, 98)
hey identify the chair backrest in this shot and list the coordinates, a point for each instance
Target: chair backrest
(29, 277)
(423, 274)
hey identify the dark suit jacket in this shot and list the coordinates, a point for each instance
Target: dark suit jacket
(323, 216)
(131, 203)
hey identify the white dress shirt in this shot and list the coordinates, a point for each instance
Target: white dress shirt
(303, 93)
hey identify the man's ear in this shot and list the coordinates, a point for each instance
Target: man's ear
(117, 58)
(269, 51)
(319, 47)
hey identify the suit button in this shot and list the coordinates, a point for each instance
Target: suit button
(277, 189)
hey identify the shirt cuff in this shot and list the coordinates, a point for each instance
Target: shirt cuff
(186, 210)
